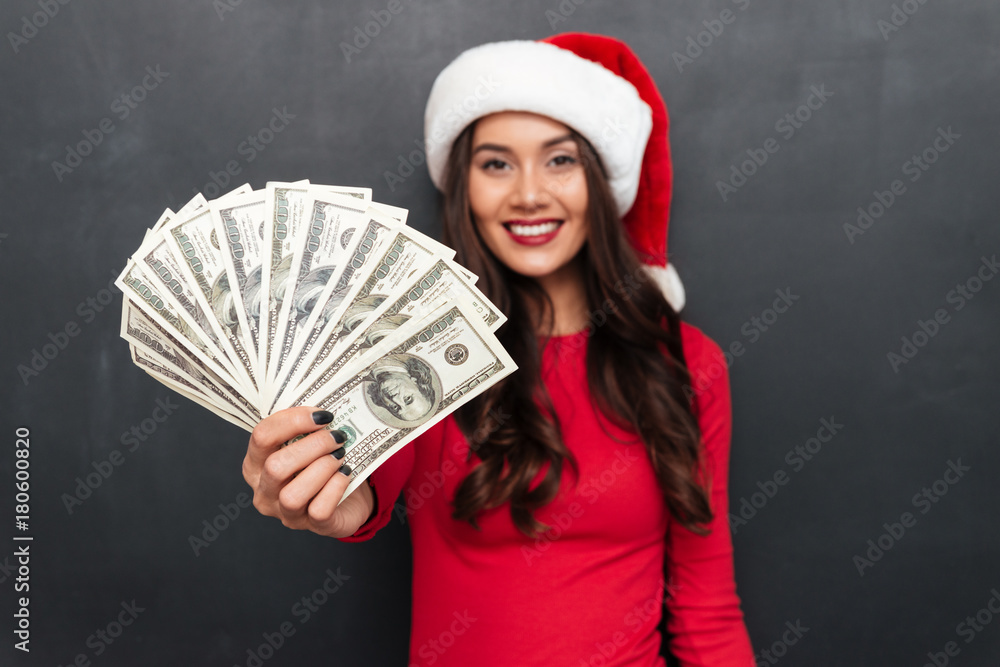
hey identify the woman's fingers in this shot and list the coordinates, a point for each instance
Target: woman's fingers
(268, 466)
(279, 428)
(295, 496)
(322, 507)
(303, 484)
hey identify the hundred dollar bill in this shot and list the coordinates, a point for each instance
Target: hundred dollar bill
(285, 213)
(180, 384)
(239, 223)
(408, 382)
(327, 239)
(399, 254)
(196, 202)
(334, 293)
(197, 243)
(150, 338)
(362, 242)
(368, 320)
(156, 301)
(284, 206)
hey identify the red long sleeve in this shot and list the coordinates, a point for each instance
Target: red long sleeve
(590, 591)
(704, 620)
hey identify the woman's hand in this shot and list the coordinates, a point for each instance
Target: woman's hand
(302, 484)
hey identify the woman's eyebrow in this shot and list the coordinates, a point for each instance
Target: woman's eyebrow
(506, 149)
(557, 140)
(490, 147)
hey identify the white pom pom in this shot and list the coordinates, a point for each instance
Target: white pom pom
(670, 284)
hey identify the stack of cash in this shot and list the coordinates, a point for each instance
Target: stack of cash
(303, 294)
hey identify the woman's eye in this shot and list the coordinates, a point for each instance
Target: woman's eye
(560, 160)
(494, 163)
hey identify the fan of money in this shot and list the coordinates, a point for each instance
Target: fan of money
(302, 294)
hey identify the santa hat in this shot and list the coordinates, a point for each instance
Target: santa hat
(591, 83)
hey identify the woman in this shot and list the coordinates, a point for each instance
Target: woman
(555, 515)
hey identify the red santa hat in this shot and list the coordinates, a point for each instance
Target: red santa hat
(591, 83)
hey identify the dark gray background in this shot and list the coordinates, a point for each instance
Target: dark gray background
(826, 357)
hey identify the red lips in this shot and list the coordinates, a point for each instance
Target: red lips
(533, 232)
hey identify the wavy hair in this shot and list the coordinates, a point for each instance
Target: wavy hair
(635, 366)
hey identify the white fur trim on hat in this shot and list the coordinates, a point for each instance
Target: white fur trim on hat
(544, 79)
(669, 283)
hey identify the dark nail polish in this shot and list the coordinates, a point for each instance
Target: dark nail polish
(339, 454)
(322, 417)
(339, 436)
(345, 470)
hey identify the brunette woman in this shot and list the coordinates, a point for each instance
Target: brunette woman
(555, 517)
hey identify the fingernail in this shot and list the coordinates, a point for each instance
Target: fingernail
(339, 454)
(345, 470)
(339, 436)
(322, 417)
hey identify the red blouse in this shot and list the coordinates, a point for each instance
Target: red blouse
(589, 591)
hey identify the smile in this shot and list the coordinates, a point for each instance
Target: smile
(533, 232)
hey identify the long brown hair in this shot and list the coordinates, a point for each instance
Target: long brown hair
(635, 365)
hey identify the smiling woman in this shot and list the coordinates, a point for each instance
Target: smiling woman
(581, 494)
(528, 193)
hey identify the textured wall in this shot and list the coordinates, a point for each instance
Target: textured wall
(863, 489)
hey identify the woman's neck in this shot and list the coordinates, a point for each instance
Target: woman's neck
(565, 288)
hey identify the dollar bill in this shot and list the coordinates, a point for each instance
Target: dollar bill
(239, 224)
(327, 238)
(397, 253)
(157, 303)
(365, 245)
(285, 207)
(181, 385)
(195, 241)
(408, 381)
(370, 319)
(150, 338)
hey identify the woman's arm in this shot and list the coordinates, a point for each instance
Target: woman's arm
(705, 621)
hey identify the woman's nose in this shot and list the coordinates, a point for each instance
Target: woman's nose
(531, 191)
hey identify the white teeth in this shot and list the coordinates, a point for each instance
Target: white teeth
(534, 230)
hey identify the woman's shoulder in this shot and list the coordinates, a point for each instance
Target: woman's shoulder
(700, 351)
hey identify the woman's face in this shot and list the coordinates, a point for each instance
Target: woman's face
(528, 192)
